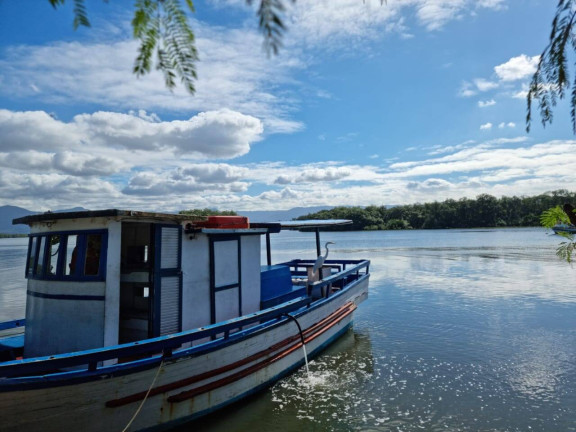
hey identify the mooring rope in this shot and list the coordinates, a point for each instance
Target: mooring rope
(145, 397)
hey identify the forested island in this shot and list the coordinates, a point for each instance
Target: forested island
(485, 211)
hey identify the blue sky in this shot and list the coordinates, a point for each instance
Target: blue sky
(410, 101)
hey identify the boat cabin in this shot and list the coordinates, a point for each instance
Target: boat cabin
(100, 278)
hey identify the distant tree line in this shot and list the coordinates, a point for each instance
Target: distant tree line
(484, 211)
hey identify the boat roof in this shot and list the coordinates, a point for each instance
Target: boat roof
(127, 214)
(300, 224)
(132, 214)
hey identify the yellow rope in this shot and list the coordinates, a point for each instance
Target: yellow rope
(145, 397)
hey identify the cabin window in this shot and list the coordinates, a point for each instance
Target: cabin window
(68, 256)
(32, 252)
(38, 269)
(54, 249)
(71, 254)
(92, 255)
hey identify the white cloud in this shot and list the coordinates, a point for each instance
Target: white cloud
(167, 184)
(286, 195)
(234, 74)
(546, 160)
(492, 4)
(517, 68)
(507, 74)
(436, 13)
(484, 104)
(76, 164)
(499, 167)
(436, 150)
(55, 190)
(211, 173)
(507, 125)
(467, 90)
(325, 23)
(218, 134)
(479, 85)
(484, 85)
(486, 126)
(505, 175)
(35, 130)
(431, 185)
(316, 175)
(316, 22)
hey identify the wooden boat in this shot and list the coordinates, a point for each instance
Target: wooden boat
(143, 321)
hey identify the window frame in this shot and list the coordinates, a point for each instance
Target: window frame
(60, 274)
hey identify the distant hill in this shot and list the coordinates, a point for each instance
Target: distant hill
(7, 213)
(280, 215)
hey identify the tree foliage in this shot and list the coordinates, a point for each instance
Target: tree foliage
(484, 211)
(551, 79)
(167, 39)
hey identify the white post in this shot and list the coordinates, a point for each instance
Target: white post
(112, 301)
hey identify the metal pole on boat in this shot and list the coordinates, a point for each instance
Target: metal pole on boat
(318, 249)
(268, 249)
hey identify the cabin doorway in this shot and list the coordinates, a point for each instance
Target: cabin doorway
(150, 281)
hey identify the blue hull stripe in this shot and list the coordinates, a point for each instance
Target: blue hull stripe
(65, 296)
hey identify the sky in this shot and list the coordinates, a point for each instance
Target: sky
(366, 104)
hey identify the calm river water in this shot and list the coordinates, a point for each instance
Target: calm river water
(464, 330)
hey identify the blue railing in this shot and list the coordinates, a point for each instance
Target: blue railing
(163, 347)
(12, 324)
(162, 344)
(339, 279)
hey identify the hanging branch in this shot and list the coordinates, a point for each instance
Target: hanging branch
(163, 30)
(271, 24)
(550, 80)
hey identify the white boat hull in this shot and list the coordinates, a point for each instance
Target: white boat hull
(181, 389)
